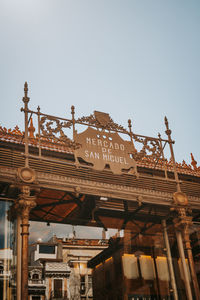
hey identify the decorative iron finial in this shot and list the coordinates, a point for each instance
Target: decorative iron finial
(26, 98)
(31, 130)
(162, 155)
(72, 110)
(129, 124)
(131, 133)
(168, 131)
(73, 121)
(193, 163)
(25, 88)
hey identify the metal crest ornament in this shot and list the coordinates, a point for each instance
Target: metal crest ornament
(102, 121)
(102, 148)
(102, 118)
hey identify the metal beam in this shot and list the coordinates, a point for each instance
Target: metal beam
(129, 215)
(121, 215)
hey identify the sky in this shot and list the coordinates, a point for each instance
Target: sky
(43, 232)
(134, 59)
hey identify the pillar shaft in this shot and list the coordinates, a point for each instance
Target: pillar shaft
(183, 223)
(169, 258)
(191, 262)
(19, 251)
(25, 204)
(24, 265)
(183, 262)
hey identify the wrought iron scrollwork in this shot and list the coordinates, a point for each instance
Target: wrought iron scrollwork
(151, 148)
(51, 129)
(90, 120)
(101, 121)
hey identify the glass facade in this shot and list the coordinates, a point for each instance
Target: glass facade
(137, 267)
(7, 257)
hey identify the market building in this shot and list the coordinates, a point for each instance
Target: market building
(102, 175)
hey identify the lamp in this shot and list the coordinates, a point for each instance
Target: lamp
(103, 198)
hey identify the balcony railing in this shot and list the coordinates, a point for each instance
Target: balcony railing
(36, 282)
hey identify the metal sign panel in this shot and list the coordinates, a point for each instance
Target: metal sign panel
(101, 148)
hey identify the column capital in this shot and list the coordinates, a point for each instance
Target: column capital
(183, 222)
(25, 201)
(183, 217)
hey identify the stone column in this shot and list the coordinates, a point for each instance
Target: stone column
(65, 288)
(25, 204)
(50, 287)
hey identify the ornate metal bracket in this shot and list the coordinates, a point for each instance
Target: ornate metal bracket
(52, 130)
(102, 121)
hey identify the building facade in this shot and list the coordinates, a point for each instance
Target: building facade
(58, 268)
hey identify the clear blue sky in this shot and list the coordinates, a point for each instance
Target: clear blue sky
(135, 59)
